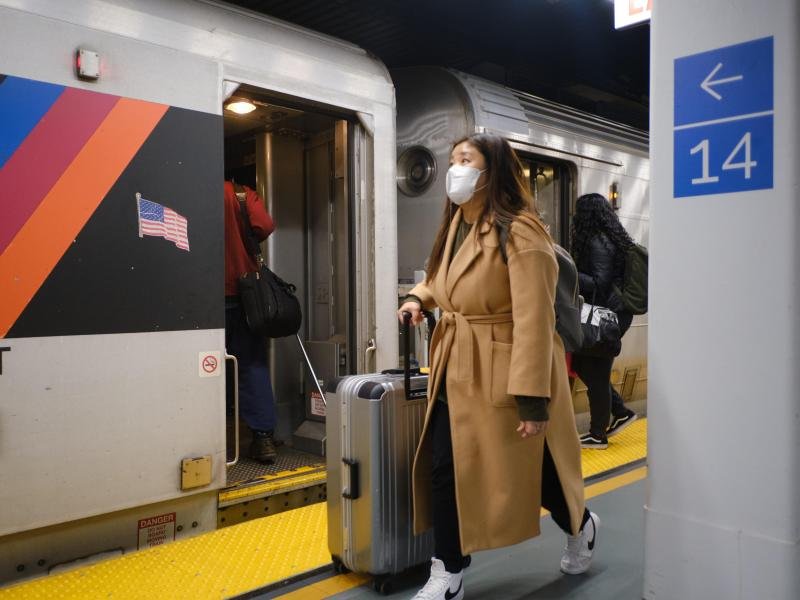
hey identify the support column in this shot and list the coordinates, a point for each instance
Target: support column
(723, 504)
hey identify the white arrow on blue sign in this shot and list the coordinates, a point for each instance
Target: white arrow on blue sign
(709, 83)
(723, 114)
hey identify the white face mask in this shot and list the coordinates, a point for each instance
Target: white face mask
(460, 183)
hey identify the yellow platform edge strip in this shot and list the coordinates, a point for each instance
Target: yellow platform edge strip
(251, 555)
(628, 446)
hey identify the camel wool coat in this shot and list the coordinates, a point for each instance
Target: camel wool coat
(496, 339)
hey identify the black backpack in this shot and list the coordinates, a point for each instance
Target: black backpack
(633, 292)
(568, 301)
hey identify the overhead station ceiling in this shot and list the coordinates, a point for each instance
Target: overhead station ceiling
(563, 50)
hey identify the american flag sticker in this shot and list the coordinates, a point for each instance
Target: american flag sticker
(160, 221)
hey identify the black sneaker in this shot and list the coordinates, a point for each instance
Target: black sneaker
(262, 448)
(620, 423)
(589, 440)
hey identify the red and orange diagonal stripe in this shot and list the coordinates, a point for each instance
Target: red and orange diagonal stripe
(52, 226)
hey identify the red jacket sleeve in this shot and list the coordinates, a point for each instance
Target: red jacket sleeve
(260, 219)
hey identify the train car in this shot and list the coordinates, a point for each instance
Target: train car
(565, 153)
(115, 431)
(113, 381)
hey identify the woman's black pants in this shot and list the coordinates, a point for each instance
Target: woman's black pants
(595, 372)
(447, 540)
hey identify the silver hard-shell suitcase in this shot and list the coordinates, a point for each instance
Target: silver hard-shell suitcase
(373, 427)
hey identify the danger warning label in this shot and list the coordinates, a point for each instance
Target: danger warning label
(154, 531)
(317, 404)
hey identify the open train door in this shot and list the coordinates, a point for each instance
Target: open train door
(313, 167)
(340, 322)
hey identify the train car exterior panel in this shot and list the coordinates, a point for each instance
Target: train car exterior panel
(108, 381)
(133, 63)
(183, 53)
(107, 429)
(85, 403)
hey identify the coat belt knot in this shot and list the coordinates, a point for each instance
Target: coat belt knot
(454, 326)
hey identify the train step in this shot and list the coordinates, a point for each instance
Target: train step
(254, 490)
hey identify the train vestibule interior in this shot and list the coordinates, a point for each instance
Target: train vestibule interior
(297, 158)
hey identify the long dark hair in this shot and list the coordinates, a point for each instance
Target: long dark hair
(594, 215)
(506, 193)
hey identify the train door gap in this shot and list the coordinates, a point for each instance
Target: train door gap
(298, 157)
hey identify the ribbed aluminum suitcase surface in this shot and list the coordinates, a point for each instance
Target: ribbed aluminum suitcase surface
(372, 436)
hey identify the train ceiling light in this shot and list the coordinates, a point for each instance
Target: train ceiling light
(240, 106)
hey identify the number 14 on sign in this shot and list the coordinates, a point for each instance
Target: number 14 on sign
(744, 146)
(720, 158)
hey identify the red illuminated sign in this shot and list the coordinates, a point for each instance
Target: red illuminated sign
(631, 12)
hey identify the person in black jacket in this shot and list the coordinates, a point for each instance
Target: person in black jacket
(599, 244)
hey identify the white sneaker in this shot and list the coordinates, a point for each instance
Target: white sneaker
(579, 549)
(441, 584)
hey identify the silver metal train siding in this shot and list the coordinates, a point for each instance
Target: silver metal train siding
(566, 153)
(105, 388)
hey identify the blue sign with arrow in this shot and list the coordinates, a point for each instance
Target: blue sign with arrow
(723, 113)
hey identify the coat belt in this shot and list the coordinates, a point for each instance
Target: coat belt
(454, 326)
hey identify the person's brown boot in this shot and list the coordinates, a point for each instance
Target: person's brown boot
(262, 448)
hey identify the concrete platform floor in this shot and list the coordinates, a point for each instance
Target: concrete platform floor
(530, 570)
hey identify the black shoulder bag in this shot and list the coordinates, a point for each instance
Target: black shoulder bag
(269, 303)
(601, 334)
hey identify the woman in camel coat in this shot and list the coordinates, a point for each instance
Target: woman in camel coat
(499, 440)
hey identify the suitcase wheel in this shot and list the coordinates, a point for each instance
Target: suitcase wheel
(382, 585)
(338, 566)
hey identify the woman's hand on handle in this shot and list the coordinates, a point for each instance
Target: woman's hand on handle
(412, 308)
(531, 428)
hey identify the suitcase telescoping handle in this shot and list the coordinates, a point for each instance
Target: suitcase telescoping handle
(431, 321)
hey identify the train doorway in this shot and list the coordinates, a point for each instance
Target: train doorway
(306, 163)
(551, 183)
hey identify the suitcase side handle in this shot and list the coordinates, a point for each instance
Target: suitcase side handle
(353, 491)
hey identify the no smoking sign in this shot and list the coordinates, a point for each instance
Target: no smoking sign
(209, 364)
